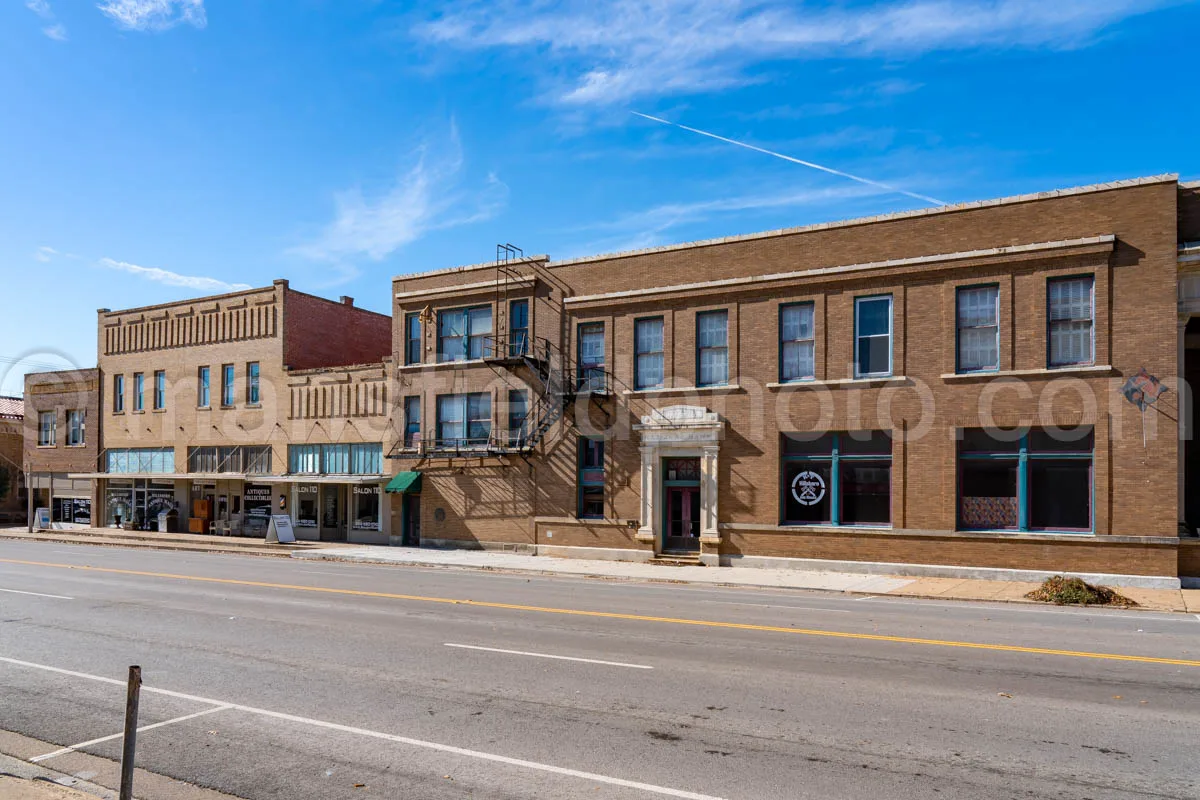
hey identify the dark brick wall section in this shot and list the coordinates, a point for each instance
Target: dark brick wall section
(1189, 213)
(327, 333)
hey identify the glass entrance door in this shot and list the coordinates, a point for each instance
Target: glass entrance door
(333, 519)
(683, 519)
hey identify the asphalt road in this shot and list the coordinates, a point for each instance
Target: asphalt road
(303, 680)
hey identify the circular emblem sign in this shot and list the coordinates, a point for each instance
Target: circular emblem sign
(808, 488)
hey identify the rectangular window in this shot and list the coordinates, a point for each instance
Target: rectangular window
(591, 478)
(518, 412)
(304, 459)
(591, 356)
(837, 478)
(1070, 306)
(139, 391)
(227, 395)
(412, 421)
(335, 459)
(1025, 481)
(366, 508)
(160, 390)
(518, 328)
(118, 394)
(796, 342)
(140, 460)
(47, 428)
(203, 387)
(978, 328)
(75, 428)
(872, 336)
(252, 393)
(464, 420)
(412, 338)
(465, 333)
(712, 348)
(648, 352)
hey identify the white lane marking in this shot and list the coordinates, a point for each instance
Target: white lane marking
(546, 655)
(38, 594)
(779, 605)
(650, 788)
(162, 724)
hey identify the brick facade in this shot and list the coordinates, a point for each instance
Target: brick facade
(48, 466)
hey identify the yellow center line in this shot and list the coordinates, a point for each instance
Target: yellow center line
(742, 626)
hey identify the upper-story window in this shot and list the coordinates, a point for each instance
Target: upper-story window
(648, 353)
(75, 428)
(518, 328)
(464, 420)
(118, 394)
(978, 328)
(796, 342)
(412, 421)
(203, 388)
(412, 338)
(872, 336)
(591, 356)
(47, 428)
(712, 348)
(518, 417)
(464, 333)
(139, 391)
(227, 396)
(253, 396)
(1070, 307)
(335, 459)
(160, 390)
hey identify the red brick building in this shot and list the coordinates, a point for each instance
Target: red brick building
(924, 392)
(12, 481)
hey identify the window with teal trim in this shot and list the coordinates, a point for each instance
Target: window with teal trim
(1026, 480)
(837, 478)
(591, 478)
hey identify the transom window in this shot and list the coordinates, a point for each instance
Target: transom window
(978, 328)
(873, 336)
(464, 333)
(140, 460)
(1070, 308)
(336, 459)
(712, 348)
(796, 342)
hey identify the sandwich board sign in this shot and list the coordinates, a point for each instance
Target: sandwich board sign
(41, 519)
(279, 530)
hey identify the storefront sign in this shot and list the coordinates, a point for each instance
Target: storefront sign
(257, 502)
(41, 519)
(808, 488)
(280, 529)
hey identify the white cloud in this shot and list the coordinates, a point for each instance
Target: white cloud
(167, 278)
(56, 32)
(626, 49)
(427, 196)
(40, 7)
(45, 254)
(154, 15)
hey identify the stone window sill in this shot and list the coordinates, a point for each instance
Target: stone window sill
(1095, 370)
(726, 388)
(470, 362)
(841, 383)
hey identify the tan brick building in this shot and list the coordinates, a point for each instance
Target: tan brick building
(12, 482)
(226, 409)
(923, 391)
(61, 439)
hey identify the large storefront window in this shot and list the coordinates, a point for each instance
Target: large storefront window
(256, 500)
(137, 504)
(366, 508)
(1027, 481)
(837, 478)
(308, 505)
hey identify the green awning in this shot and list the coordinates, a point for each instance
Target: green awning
(404, 483)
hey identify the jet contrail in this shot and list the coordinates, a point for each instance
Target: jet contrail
(801, 162)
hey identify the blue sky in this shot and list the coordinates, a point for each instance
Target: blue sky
(153, 150)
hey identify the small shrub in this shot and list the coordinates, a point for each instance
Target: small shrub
(1065, 591)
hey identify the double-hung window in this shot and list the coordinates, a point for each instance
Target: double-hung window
(412, 421)
(518, 328)
(227, 396)
(518, 413)
(1034, 480)
(118, 394)
(591, 478)
(648, 353)
(160, 390)
(872, 336)
(591, 357)
(978, 328)
(1070, 310)
(412, 338)
(47, 428)
(75, 428)
(465, 333)
(837, 478)
(712, 348)
(139, 391)
(796, 342)
(464, 420)
(252, 392)
(204, 388)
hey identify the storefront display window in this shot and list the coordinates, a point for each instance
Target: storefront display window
(366, 508)
(837, 479)
(307, 503)
(257, 503)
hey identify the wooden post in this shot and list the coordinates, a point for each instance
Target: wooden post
(130, 740)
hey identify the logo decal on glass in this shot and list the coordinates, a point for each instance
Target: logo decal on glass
(808, 488)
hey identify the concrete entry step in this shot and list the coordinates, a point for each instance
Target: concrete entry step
(677, 560)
